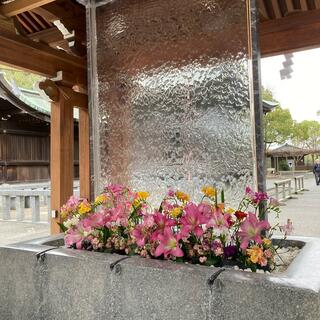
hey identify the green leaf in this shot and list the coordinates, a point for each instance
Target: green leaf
(62, 227)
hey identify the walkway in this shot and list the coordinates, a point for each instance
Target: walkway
(303, 210)
(12, 231)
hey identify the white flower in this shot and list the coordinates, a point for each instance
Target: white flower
(71, 222)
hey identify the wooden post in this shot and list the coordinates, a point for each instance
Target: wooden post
(62, 145)
(61, 156)
(84, 156)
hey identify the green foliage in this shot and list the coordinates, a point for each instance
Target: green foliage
(62, 227)
(20, 78)
(268, 95)
(283, 165)
(307, 133)
(278, 126)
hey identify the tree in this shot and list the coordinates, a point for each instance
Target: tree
(267, 94)
(278, 124)
(307, 134)
(20, 78)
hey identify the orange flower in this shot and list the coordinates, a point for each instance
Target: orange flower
(182, 196)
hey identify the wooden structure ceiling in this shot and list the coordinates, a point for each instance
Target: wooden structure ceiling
(48, 37)
(51, 32)
(288, 25)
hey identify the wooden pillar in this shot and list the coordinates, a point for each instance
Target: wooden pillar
(62, 146)
(84, 153)
(62, 156)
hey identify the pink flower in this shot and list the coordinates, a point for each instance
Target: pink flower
(76, 236)
(169, 245)
(219, 221)
(170, 193)
(217, 248)
(142, 231)
(96, 220)
(268, 254)
(73, 202)
(263, 262)
(256, 197)
(192, 220)
(116, 189)
(251, 229)
(203, 259)
(162, 223)
(287, 228)
(119, 215)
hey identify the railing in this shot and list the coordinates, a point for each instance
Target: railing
(17, 198)
(283, 189)
(298, 184)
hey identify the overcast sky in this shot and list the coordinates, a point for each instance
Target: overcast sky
(301, 93)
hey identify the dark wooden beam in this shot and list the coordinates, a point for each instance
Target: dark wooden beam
(50, 36)
(296, 32)
(19, 6)
(39, 58)
(6, 24)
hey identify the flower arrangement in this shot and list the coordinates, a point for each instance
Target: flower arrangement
(207, 233)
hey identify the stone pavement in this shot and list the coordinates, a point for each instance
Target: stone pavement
(303, 210)
(13, 231)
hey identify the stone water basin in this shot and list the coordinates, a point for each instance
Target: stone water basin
(41, 279)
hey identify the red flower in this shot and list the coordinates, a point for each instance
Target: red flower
(240, 215)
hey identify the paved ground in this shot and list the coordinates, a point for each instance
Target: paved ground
(11, 232)
(303, 210)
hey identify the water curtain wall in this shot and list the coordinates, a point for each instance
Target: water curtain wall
(172, 107)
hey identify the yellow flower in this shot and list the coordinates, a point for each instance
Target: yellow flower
(230, 211)
(143, 195)
(102, 198)
(209, 191)
(255, 254)
(64, 214)
(176, 212)
(84, 207)
(266, 242)
(182, 196)
(136, 203)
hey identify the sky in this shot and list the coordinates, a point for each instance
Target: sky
(301, 93)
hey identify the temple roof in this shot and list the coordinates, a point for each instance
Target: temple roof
(290, 150)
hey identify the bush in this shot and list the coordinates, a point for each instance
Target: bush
(284, 166)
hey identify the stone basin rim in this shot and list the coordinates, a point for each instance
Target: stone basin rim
(301, 273)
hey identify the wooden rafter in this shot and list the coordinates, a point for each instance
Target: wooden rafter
(39, 58)
(50, 36)
(304, 5)
(263, 10)
(19, 6)
(276, 8)
(294, 32)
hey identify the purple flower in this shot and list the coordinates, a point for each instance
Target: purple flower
(256, 197)
(230, 251)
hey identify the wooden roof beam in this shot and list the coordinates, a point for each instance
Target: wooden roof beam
(19, 6)
(39, 58)
(292, 33)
